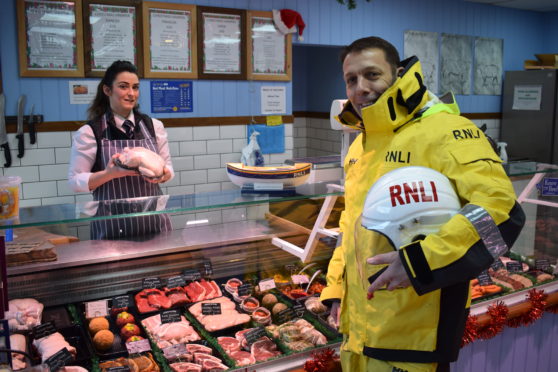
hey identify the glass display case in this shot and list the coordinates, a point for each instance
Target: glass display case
(230, 239)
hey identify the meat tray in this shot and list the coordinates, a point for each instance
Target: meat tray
(59, 315)
(75, 336)
(221, 332)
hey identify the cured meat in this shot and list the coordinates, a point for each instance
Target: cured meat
(197, 348)
(264, 349)
(177, 296)
(51, 344)
(158, 299)
(195, 291)
(229, 344)
(146, 162)
(186, 367)
(242, 358)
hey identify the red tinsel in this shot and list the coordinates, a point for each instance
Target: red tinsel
(538, 303)
(470, 333)
(321, 361)
(498, 313)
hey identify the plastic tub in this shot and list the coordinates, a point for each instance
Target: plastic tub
(9, 197)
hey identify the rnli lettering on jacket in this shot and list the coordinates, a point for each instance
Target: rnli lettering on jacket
(409, 126)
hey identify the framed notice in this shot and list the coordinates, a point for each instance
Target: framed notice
(50, 38)
(269, 53)
(113, 29)
(170, 40)
(222, 46)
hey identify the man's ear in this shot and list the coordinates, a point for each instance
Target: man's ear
(400, 71)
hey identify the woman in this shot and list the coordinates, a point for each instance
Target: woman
(115, 123)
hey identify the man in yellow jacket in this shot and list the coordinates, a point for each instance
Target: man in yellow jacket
(417, 323)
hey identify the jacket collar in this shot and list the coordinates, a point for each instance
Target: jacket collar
(398, 105)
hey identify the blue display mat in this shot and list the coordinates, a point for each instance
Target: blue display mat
(271, 138)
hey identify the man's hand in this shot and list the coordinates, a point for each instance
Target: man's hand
(395, 275)
(334, 313)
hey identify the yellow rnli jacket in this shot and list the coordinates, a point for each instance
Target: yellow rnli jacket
(423, 323)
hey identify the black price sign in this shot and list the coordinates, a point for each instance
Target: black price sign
(59, 359)
(543, 265)
(207, 269)
(119, 302)
(497, 265)
(176, 281)
(299, 309)
(286, 315)
(151, 283)
(43, 330)
(254, 335)
(514, 267)
(191, 274)
(118, 369)
(211, 309)
(170, 316)
(245, 289)
(485, 279)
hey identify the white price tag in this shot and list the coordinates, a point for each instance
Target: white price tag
(136, 347)
(268, 186)
(96, 309)
(300, 279)
(266, 284)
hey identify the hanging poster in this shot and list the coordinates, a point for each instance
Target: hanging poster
(456, 62)
(488, 66)
(50, 38)
(113, 35)
(424, 45)
(171, 96)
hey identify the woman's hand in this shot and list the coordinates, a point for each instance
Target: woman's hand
(111, 172)
(164, 178)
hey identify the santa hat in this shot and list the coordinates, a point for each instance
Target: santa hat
(285, 21)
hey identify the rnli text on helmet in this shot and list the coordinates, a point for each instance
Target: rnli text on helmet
(412, 191)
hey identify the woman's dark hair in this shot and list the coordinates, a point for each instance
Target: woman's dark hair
(373, 42)
(101, 104)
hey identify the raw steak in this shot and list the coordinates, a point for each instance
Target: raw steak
(197, 348)
(213, 366)
(264, 349)
(177, 296)
(186, 367)
(229, 344)
(242, 358)
(195, 291)
(158, 299)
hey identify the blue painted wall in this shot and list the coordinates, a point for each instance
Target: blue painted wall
(550, 33)
(328, 23)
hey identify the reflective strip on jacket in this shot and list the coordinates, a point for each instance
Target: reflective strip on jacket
(423, 323)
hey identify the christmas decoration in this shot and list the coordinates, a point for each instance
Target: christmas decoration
(535, 312)
(288, 21)
(322, 361)
(498, 313)
(470, 333)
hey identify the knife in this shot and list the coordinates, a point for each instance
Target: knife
(3, 135)
(31, 124)
(19, 135)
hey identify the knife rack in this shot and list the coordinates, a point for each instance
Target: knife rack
(11, 121)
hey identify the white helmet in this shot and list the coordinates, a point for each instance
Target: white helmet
(409, 203)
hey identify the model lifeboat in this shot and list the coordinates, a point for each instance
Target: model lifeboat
(288, 175)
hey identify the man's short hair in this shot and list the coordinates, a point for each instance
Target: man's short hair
(373, 42)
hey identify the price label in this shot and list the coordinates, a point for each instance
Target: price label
(285, 315)
(211, 309)
(120, 302)
(300, 279)
(170, 316)
(290, 268)
(118, 369)
(266, 284)
(43, 330)
(497, 265)
(174, 351)
(514, 267)
(59, 359)
(254, 335)
(176, 281)
(191, 274)
(207, 269)
(299, 310)
(543, 265)
(485, 279)
(136, 347)
(96, 309)
(151, 283)
(245, 289)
